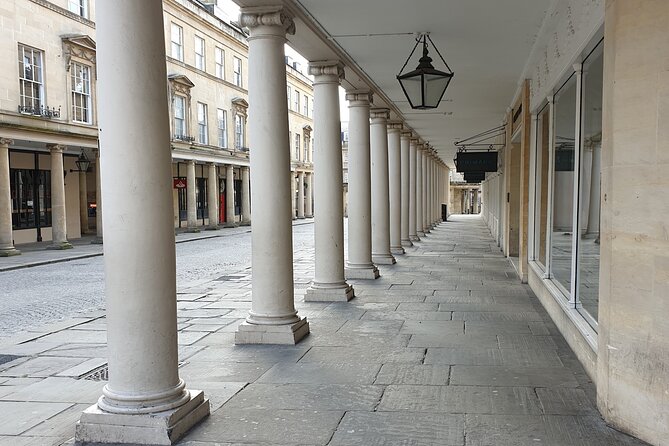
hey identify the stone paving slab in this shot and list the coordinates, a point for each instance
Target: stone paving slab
(445, 348)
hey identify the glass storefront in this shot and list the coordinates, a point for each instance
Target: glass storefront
(567, 166)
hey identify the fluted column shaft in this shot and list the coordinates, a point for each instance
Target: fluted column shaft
(58, 214)
(246, 196)
(405, 188)
(229, 195)
(395, 186)
(140, 260)
(300, 195)
(329, 283)
(359, 264)
(6, 238)
(273, 317)
(191, 209)
(380, 196)
(212, 196)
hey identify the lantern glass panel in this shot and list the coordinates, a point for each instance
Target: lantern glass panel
(435, 86)
(412, 88)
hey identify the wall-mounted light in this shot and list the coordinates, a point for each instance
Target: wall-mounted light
(425, 86)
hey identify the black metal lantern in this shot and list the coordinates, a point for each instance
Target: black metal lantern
(82, 163)
(425, 86)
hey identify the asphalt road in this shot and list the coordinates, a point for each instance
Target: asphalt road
(33, 297)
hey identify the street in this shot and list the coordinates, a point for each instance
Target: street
(33, 297)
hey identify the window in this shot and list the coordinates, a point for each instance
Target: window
(202, 131)
(220, 63)
(296, 100)
(177, 35)
(239, 131)
(30, 191)
(79, 7)
(306, 105)
(80, 76)
(180, 117)
(289, 93)
(201, 208)
(297, 146)
(222, 120)
(199, 54)
(237, 71)
(307, 140)
(541, 178)
(31, 81)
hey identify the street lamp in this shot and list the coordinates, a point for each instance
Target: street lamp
(82, 163)
(425, 86)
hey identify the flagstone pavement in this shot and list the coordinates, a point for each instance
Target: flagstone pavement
(446, 348)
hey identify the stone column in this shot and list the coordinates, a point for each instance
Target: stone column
(191, 204)
(300, 195)
(293, 192)
(395, 186)
(246, 197)
(413, 190)
(6, 239)
(380, 196)
(420, 192)
(98, 202)
(83, 203)
(145, 401)
(309, 195)
(212, 196)
(58, 217)
(230, 221)
(273, 318)
(405, 188)
(425, 189)
(359, 264)
(329, 283)
(428, 180)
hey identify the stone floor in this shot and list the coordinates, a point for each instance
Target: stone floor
(446, 348)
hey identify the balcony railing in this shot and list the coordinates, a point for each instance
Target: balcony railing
(184, 138)
(44, 112)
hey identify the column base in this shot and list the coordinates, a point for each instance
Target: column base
(316, 293)
(367, 272)
(97, 241)
(8, 252)
(60, 246)
(414, 238)
(246, 223)
(397, 250)
(192, 230)
(230, 225)
(162, 428)
(212, 228)
(420, 234)
(300, 218)
(383, 259)
(407, 243)
(308, 216)
(289, 334)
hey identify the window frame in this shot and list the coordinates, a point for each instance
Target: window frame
(219, 61)
(222, 126)
(178, 46)
(202, 124)
(176, 98)
(87, 96)
(237, 71)
(36, 85)
(240, 139)
(81, 7)
(200, 53)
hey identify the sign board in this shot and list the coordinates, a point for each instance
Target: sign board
(476, 162)
(179, 183)
(474, 177)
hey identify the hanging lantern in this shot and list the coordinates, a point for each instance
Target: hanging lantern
(425, 86)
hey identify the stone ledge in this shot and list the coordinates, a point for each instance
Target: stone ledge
(316, 294)
(371, 272)
(289, 334)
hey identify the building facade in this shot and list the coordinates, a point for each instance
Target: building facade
(49, 115)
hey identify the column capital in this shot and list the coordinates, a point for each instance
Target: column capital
(379, 115)
(191, 162)
(273, 16)
(359, 97)
(212, 164)
(406, 134)
(394, 126)
(56, 148)
(6, 141)
(327, 71)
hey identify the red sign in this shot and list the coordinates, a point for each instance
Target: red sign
(179, 183)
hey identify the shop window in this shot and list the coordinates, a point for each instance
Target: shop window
(201, 198)
(31, 198)
(541, 178)
(590, 184)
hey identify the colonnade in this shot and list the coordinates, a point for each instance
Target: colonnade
(387, 192)
(302, 199)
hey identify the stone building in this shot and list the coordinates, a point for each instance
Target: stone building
(48, 114)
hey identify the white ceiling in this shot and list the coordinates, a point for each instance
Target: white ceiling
(485, 42)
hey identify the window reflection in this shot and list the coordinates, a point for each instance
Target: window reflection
(541, 208)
